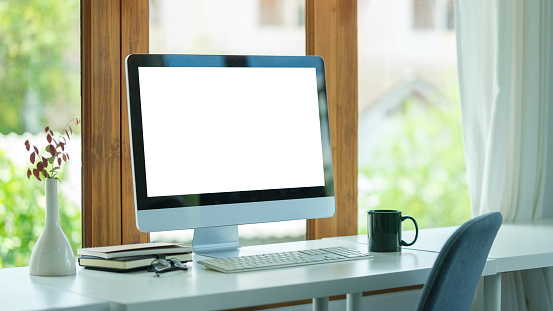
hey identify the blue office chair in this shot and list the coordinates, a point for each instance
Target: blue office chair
(457, 270)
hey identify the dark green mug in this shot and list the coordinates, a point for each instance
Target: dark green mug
(384, 230)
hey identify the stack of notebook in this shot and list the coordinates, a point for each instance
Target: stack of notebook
(131, 257)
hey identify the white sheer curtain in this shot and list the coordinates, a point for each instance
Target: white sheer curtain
(504, 71)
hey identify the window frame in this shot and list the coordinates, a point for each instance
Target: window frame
(110, 30)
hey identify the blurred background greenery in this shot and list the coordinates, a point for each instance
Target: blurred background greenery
(419, 168)
(39, 64)
(22, 207)
(411, 155)
(40, 81)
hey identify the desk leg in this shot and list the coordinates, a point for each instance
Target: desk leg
(353, 301)
(320, 304)
(492, 292)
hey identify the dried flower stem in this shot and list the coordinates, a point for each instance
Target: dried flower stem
(48, 165)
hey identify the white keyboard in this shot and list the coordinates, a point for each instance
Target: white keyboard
(284, 259)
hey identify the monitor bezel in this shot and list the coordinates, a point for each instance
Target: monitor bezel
(240, 207)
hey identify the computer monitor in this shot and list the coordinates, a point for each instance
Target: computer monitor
(219, 141)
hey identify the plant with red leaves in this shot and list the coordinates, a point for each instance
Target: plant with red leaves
(48, 165)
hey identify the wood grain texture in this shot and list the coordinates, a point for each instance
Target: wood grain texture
(134, 34)
(101, 207)
(331, 32)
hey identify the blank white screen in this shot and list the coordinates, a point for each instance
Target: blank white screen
(211, 130)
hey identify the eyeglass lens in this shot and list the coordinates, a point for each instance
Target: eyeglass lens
(166, 265)
(161, 264)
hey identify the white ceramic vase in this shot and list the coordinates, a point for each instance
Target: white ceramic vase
(52, 254)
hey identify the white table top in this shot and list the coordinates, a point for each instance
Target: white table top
(432, 239)
(20, 291)
(200, 288)
(524, 245)
(517, 246)
(429, 240)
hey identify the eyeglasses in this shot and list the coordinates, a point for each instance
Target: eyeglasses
(162, 265)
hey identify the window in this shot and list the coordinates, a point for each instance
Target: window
(410, 143)
(40, 78)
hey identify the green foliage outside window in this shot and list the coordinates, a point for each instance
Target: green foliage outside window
(22, 208)
(39, 63)
(419, 169)
(40, 79)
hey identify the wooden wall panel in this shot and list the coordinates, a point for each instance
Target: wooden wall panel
(331, 32)
(101, 118)
(111, 29)
(134, 30)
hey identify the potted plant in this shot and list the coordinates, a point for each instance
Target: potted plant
(52, 254)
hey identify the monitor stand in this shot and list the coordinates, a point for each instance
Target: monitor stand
(219, 242)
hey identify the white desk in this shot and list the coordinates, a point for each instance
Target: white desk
(202, 289)
(20, 291)
(517, 246)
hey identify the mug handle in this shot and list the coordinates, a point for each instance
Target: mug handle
(403, 243)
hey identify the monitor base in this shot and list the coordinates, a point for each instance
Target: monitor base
(219, 242)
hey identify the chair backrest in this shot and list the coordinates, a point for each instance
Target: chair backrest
(457, 270)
